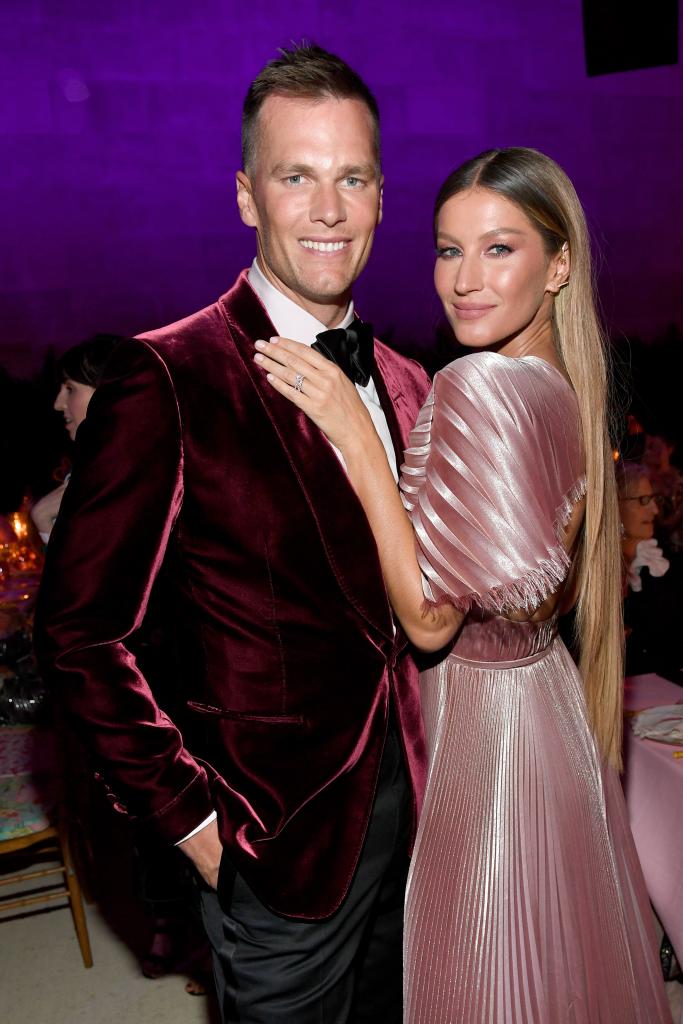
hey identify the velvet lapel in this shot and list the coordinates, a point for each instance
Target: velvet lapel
(400, 416)
(343, 527)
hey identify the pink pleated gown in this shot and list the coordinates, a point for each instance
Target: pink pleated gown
(526, 902)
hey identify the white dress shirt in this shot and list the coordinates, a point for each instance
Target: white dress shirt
(291, 321)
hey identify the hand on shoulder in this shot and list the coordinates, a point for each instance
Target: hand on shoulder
(319, 388)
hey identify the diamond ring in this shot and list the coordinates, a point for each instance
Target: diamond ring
(299, 382)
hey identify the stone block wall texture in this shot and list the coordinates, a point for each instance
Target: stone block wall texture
(119, 135)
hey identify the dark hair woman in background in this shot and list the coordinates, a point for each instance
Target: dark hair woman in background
(80, 370)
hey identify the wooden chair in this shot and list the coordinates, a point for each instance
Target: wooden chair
(34, 826)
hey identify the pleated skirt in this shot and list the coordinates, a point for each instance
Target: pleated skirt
(526, 902)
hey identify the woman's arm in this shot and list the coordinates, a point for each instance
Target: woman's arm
(45, 510)
(333, 403)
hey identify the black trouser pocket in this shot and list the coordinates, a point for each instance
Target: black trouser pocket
(226, 881)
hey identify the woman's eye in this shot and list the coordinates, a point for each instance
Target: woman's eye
(448, 252)
(499, 249)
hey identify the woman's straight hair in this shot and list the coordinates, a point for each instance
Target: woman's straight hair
(541, 189)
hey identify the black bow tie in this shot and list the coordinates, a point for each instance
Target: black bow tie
(351, 348)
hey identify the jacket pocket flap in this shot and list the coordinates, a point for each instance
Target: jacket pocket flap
(245, 716)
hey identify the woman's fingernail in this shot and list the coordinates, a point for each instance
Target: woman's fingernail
(258, 358)
(273, 341)
(260, 344)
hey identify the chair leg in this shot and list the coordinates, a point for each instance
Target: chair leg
(75, 898)
(83, 860)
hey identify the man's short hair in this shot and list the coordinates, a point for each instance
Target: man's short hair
(306, 72)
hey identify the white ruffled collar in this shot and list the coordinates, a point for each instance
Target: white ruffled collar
(649, 554)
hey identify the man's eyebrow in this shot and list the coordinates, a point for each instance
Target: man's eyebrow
(284, 168)
(347, 171)
(353, 170)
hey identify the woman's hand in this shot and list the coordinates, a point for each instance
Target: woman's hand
(319, 388)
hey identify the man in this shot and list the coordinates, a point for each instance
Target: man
(312, 753)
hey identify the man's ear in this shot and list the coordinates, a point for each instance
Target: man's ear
(381, 199)
(559, 270)
(245, 200)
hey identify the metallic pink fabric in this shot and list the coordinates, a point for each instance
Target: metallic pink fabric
(507, 431)
(526, 903)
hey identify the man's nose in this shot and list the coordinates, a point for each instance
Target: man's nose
(328, 205)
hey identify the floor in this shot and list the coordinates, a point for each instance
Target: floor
(42, 977)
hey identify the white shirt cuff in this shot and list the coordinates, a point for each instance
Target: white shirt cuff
(203, 824)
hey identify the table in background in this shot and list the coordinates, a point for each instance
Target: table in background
(653, 785)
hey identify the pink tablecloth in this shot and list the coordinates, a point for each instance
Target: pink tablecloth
(653, 784)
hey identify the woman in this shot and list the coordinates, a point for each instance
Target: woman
(525, 900)
(81, 369)
(638, 510)
(653, 581)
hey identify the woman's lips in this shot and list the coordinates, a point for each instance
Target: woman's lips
(471, 312)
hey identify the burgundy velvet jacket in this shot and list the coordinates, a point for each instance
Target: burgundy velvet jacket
(189, 458)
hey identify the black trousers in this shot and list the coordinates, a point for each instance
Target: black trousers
(346, 969)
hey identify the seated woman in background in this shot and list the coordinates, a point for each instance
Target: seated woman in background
(81, 369)
(653, 582)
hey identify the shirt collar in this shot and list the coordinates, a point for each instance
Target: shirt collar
(289, 319)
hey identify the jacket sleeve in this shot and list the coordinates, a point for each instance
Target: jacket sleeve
(113, 528)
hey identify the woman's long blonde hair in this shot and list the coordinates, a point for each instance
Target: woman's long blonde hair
(541, 189)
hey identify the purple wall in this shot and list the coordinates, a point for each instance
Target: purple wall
(119, 126)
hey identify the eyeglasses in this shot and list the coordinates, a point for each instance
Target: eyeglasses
(644, 499)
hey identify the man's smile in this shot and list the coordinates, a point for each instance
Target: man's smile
(320, 246)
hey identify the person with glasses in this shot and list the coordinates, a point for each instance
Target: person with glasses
(638, 508)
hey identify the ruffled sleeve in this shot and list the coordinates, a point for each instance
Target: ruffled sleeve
(492, 471)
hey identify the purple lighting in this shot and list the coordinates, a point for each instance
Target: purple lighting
(120, 139)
